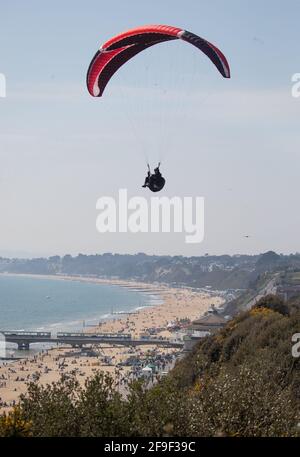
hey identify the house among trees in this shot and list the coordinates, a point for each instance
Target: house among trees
(207, 325)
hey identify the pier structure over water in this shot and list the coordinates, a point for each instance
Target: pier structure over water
(24, 339)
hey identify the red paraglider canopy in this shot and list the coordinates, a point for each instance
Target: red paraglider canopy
(119, 49)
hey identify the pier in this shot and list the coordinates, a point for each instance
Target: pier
(24, 339)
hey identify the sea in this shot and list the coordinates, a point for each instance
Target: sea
(48, 304)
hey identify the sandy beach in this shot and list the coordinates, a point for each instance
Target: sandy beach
(47, 366)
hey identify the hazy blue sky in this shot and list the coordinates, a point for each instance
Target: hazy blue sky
(234, 142)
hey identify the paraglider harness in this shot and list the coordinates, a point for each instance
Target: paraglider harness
(154, 181)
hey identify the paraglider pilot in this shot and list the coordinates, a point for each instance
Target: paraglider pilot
(155, 182)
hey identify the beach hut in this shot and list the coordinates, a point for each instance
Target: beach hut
(147, 371)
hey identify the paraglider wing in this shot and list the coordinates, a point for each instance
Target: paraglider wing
(119, 49)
